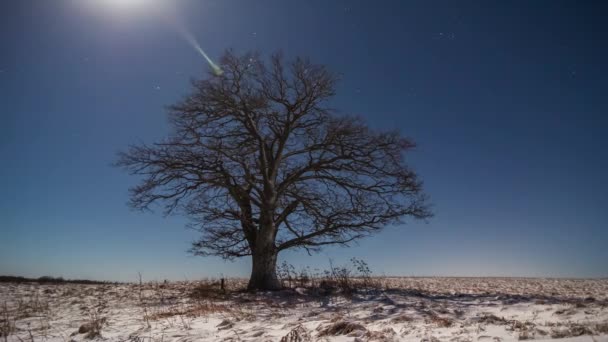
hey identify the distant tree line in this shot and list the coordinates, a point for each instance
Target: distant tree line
(50, 280)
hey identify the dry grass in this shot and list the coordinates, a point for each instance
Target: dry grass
(341, 328)
(41, 310)
(571, 331)
(7, 325)
(33, 306)
(441, 322)
(192, 310)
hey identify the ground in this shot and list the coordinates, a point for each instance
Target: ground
(396, 309)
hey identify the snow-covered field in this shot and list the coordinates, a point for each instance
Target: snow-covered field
(403, 309)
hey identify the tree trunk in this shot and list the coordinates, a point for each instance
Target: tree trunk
(264, 270)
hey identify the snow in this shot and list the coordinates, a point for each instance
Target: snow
(401, 309)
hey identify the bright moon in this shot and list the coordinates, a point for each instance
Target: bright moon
(131, 6)
(127, 8)
(125, 4)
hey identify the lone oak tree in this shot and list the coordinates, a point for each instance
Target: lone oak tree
(260, 164)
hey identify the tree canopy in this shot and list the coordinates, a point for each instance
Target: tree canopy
(260, 163)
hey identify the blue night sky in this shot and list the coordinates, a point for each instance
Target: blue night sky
(506, 100)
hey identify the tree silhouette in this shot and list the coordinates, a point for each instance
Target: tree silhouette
(260, 164)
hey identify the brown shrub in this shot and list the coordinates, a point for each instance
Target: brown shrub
(441, 322)
(524, 335)
(225, 324)
(297, 334)
(207, 291)
(387, 334)
(492, 319)
(92, 328)
(402, 319)
(602, 328)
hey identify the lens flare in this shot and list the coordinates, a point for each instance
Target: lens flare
(165, 11)
(189, 38)
(185, 34)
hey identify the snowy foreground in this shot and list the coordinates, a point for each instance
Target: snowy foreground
(402, 309)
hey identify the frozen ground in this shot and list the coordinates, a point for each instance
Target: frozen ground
(404, 309)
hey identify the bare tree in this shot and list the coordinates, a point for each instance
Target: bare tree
(260, 164)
